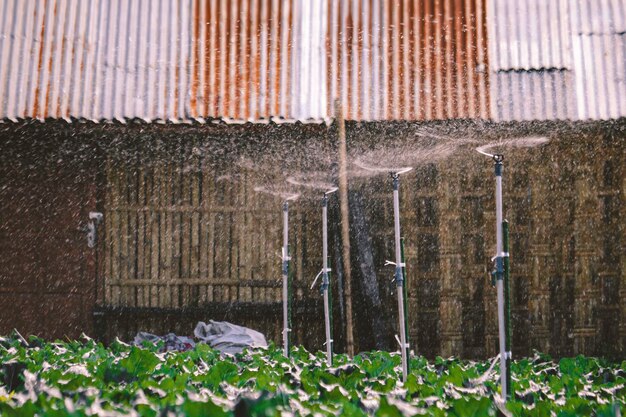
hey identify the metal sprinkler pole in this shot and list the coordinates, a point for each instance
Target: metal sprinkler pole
(325, 280)
(285, 268)
(405, 286)
(399, 275)
(499, 272)
(507, 306)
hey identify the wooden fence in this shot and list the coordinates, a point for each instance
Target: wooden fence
(182, 235)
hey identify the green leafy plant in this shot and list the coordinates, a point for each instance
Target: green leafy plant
(83, 378)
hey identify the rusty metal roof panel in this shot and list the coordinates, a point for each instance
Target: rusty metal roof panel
(243, 59)
(149, 59)
(402, 59)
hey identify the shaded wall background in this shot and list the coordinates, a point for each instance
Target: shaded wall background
(187, 238)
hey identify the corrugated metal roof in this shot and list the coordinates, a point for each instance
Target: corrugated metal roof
(243, 59)
(95, 59)
(409, 59)
(599, 40)
(548, 94)
(529, 34)
(557, 59)
(259, 59)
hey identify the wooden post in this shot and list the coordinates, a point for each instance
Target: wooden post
(345, 224)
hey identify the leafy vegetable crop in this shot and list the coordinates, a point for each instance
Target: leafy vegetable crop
(81, 378)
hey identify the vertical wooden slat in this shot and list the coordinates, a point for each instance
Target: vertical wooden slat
(185, 238)
(109, 235)
(132, 216)
(176, 220)
(204, 220)
(196, 225)
(115, 203)
(155, 235)
(140, 241)
(210, 254)
(165, 232)
(147, 258)
(124, 233)
(245, 237)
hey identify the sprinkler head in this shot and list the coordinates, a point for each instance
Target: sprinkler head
(498, 158)
(404, 170)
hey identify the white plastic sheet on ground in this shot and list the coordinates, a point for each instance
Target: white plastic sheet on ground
(221, 335)
(227, 337)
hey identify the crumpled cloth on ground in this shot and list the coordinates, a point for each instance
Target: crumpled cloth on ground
(227, 337)
(221, 335)
(170, 340)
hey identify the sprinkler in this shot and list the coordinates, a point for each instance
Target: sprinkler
(399, 273)
(500, 272)
(507, 306)
(286, 284)
(399, 262)
(325, 272)
(501, 260)
(285, 264)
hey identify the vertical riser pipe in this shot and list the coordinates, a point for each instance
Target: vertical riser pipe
(325, 281)
(500, 277)
(507, 306)
(405, 286)
(398, 275)
(285, 269)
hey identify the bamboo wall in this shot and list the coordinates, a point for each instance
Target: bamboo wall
(181, 234)
(565, 204)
